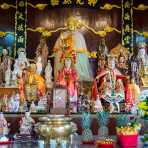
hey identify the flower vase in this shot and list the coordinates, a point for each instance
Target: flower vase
(103, 118)
(87, 135)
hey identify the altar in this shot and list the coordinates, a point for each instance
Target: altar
(14, 119)
(76, 143)
(83, 63)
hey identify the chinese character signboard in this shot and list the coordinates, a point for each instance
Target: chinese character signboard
(21, 18)
(75, 3)
(127, 24)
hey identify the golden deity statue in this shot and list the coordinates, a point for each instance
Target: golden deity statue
(35, 84)
(72, 40)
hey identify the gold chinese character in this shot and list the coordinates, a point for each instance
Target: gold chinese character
(20, 16)
(127, 4)
(127, 16)
(20, 27)
(67, 2)
(20, 39)
(92, 2)
(127, 39)
(54, 2)
(80, 2)
(127, 28)
(21, 4)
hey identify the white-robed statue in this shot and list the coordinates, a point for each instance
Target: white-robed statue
(39, 66)
(26, 124)
(20, 63)
(8, 74)
(48, 74)
(73, 40)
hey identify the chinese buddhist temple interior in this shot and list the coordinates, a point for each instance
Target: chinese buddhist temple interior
(74, 73)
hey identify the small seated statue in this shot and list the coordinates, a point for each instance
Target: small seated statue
(5, 103)
(14, 102)
(26, 124)
(11, 102)
(3, 125)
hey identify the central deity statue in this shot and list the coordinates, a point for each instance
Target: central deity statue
(74, 40)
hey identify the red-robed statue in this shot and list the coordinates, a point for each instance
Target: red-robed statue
(106, 81)
(67, 77)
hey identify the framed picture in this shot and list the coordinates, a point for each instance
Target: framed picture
(60, 97)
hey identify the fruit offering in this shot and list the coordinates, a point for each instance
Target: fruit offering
(127, 130)
(105, 143)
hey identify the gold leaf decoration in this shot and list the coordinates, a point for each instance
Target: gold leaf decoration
(41, 6)
(142, 33)
(46, 33)
(108, 29)
(108, 6)
(38, 6)
(6, 6)
(38, 29)
(41, 30)
(2, 34)
(145, 34)
(141, 7)
(101, 33)
(115, 29)
(111, 29)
